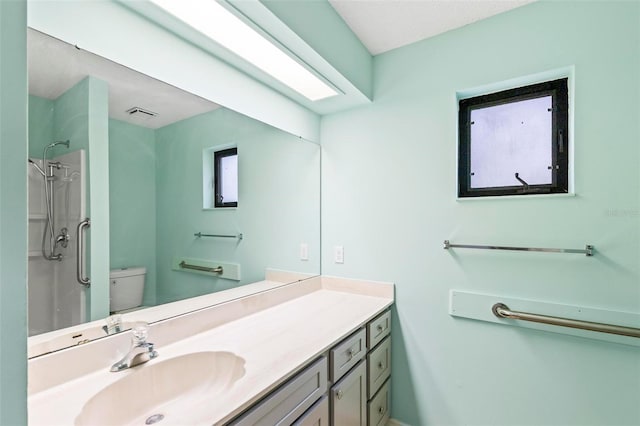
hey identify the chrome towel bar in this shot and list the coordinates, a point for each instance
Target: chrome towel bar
(502, 311)
(200, 234)
(216, 270)
(588, 250)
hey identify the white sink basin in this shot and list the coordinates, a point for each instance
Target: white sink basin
(172, 392)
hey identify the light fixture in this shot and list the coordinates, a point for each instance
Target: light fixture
(216, 22)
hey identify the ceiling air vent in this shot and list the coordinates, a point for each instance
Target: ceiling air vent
(141, 113)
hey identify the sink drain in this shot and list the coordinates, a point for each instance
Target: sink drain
(154, 419)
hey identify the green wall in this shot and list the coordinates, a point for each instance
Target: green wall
(132, 201)
(41, 117)
(13, 213)
(278, 202)
(389, 196)
(156, 179)
(71, 118)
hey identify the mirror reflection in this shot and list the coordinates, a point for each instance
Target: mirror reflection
(140, 160)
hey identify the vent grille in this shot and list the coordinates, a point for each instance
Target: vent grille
(141, 113)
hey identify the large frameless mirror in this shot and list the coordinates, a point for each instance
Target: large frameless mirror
(105, 137)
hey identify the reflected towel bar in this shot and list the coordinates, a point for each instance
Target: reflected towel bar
(502, 311)
(588, 250)
(200, 234)
(216, 270)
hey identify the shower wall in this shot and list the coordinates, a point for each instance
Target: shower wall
(56, 300)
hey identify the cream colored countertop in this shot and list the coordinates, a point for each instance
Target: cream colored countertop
(284, 330)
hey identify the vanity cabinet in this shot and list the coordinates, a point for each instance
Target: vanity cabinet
(347, 354)
(379, 369)
(349, 398)
(378, 329)
(362, 396)
(291, 400)
(378, 366)
(318, 415)
(347, 386)
(378, 407)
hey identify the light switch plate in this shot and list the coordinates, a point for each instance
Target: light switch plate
(338, 254)
(304, 251)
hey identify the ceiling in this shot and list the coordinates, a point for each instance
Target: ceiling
(383, 25)
(55, 67)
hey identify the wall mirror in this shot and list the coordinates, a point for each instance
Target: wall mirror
(93, 125)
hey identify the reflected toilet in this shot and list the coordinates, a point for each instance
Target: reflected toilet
(126, 289)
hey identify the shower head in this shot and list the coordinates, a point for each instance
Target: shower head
(65, 143)
(37, 167)
(51, 145)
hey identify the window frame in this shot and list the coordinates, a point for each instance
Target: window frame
(217, 181)
(558, 90)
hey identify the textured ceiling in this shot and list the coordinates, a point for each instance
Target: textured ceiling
(383, 25)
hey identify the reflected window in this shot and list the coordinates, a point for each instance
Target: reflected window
(514, 142)
(226, 177)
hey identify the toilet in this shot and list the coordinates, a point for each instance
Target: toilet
(126, 288)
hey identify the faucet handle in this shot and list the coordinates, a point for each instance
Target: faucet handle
(140, 330)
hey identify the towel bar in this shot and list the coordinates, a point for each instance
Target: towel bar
(502, 311)
(216, 270)
(588, 250)
(200, 234)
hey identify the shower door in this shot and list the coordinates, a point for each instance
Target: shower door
(56, 299)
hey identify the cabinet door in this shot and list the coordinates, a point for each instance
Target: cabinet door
(379, 366)
(349, 398)
(289, 401)
(379, 406)
(318, 415)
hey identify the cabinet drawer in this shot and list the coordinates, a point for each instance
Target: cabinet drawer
(347, 354)
(289, 401)
(318, 415)
(378, 407)
(378, 329)
(349, 398)
(379, 366)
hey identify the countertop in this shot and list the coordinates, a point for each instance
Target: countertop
(275, 343)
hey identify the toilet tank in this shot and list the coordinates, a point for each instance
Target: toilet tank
(126, 288)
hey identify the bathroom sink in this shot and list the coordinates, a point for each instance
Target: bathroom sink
(175, 391)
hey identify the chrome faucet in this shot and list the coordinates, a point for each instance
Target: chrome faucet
(141, 351)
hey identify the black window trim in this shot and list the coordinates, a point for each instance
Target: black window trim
(558, 89)
(217, 182)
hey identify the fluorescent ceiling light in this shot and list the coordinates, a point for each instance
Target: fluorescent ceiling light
(223, 27)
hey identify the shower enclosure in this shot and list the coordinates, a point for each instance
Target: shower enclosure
(56, 206)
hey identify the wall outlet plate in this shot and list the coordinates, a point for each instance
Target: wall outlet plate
(338, 254)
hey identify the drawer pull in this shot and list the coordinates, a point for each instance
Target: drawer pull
(381, 410)
(380, 365)
(379, 328)
(350, 354)
(339, 394)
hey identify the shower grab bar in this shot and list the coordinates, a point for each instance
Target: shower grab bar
(82, 279)
(216, 270)
(502, 311)
(200, 234)
(588, 250)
